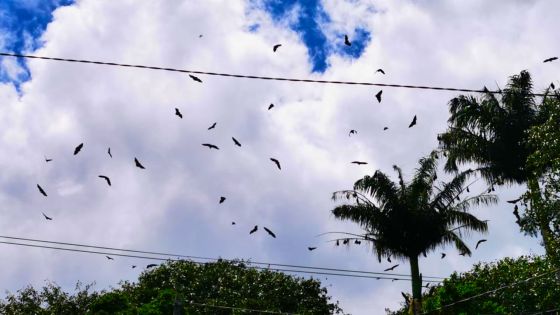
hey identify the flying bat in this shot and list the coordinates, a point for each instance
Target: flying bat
(138, 164)
(237, 143)
(46, 217)
(391, 268)
(109, 152)
(78, 148)
(133, 266)
(106, 179)
(550, 59)
(413, 122)
(270, 106)
(385, 128)
(347, 41)
(178, 113)
(358, 162)
(110, 258)
(443, 255)
(311, 248)
(41, 190)
(211, 146)
(275, 47)
(269, 232)
(212, 127)
(378, 96)
(254, 229)
(352, 132)
(195, 78)
(47, 160)
(222, 199)
(380, 70)
(479, 242)
(276, 162)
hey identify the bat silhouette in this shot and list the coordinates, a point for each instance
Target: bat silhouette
(347, 41)
(479, 242)
(352, 132)
(391, 268)
(254, 229)
(311, 248)
(106, 179)
(275, 47)
(380, 70)
(211, 146)
(47, 160)
(413, 122)
(109, 152)
(110, 258)
(276, 162)
(138, 164)
(358, 162)
(385, 128)
(269, 232)
(133, 266)
(378, 96)
(443, 255)
(270, 106)
(46, 217)
(232, 223)
(212, 127)
(78, 148)
(552, 86)
(178, 113)
(222, 199)
(41, 190)
(195, 78)
(236, 142)
(550, 59)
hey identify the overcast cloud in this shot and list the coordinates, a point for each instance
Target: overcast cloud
(172, 205)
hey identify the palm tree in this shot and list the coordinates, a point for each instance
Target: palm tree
(405, 220)
(492, 132)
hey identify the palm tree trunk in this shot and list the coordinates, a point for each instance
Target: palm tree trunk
(416, 303)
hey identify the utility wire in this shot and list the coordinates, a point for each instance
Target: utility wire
(201, 263)
(238, 308)
(221, 74)
(210, 259)
(493, 291)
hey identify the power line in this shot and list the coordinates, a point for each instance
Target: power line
(255, 77)
(238, 308)
(493, 291)
(211, 259)
(198, 262)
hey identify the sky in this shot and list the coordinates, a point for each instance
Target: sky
(48, 108)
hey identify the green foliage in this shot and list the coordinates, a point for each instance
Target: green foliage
(539, 294)
(159, 289)
(406, 219)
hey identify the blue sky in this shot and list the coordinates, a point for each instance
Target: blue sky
(21, 24)
(308, 25)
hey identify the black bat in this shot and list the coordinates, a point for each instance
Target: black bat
(150, 266)
(380, 70)
(138, 164)
(41, 190)
(275, 47)
(391, 268)
(78, 148)
(47, 160)
(552, 86)
(106, 179)
(358, 162)
(212, 127)
(550, 59)
(385, 128)
(133, 266)
(270, 106)
(237, 143)
(413, 122)
(110, 258)
(195, 78)
(222, 199)
(211, 146)
(352, 132)
(46, 217)
(269, 232)
(109, 152)
(378, 96)
(178, 113)
(443, 255)
(276, 162)
(478, 243)
(232, 223)
(311, 248)
(347, 41)
(254, 229)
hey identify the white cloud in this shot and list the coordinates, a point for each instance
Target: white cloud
(173, 204)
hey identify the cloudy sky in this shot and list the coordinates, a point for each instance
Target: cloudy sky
(47, 108)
